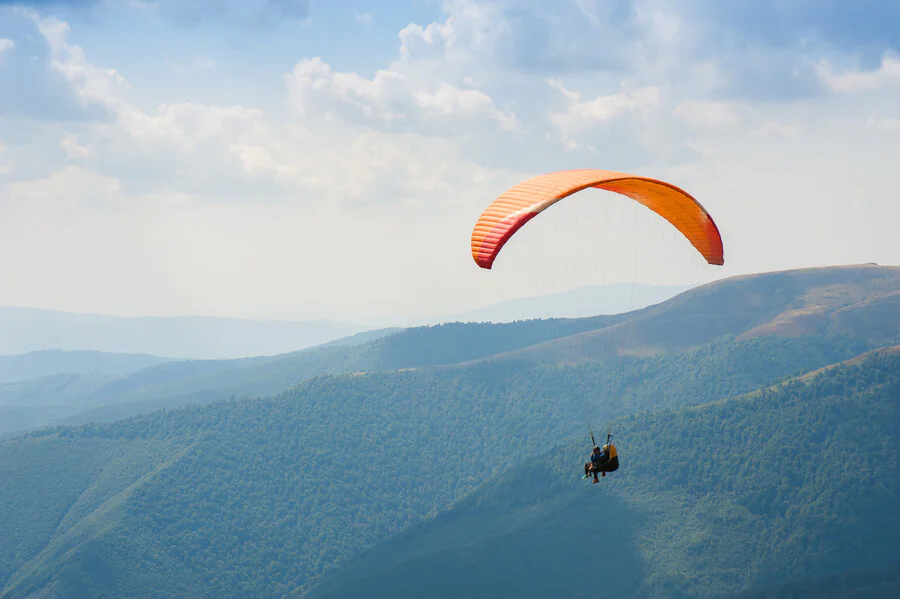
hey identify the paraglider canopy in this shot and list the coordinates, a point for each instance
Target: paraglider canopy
(515, 207)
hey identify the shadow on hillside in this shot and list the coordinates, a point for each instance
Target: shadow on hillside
(526, 534)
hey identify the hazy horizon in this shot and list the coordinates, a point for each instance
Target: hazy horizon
(26, 330)
(401, 320)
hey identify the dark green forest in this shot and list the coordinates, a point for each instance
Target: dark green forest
(800, 482)
(435, 463)
(258, 497)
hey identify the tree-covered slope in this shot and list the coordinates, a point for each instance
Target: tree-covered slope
(756, 494)
(855, 584)
(256, 497)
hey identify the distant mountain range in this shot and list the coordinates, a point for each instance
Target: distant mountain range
(616, 298)
(861, 302)
(24, 330)
(34, 365)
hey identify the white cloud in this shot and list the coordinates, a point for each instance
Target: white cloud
(314, 88)
(242, 151)
(571, 96)
(605, 108)
(179, 142)
(6, 45)
(398, 98)
(73, 150)
(854, 81)
(94, 85)
(528, 36)
(582, 116)
(189, 123)
(471, 29)
(432, 39)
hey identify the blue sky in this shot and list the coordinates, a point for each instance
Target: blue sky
(310, 159)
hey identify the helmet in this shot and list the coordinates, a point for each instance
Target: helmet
(606, 448)
(596, 448)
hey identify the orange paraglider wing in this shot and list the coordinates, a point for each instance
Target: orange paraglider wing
(518, 205)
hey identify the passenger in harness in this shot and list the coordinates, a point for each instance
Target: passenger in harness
(603, 460)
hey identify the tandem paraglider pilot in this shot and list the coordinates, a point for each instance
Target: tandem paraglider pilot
(603, 460)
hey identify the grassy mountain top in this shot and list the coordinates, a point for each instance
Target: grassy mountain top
(613, 298)
(861, 301)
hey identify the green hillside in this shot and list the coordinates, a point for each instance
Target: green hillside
(375, 442)
(257, 497)
(782, 495)
(861, 584)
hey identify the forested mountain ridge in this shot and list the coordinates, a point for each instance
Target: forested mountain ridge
(805, 377)
(265, 497)
(258, 497)
(854, 584)
(790, 492)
